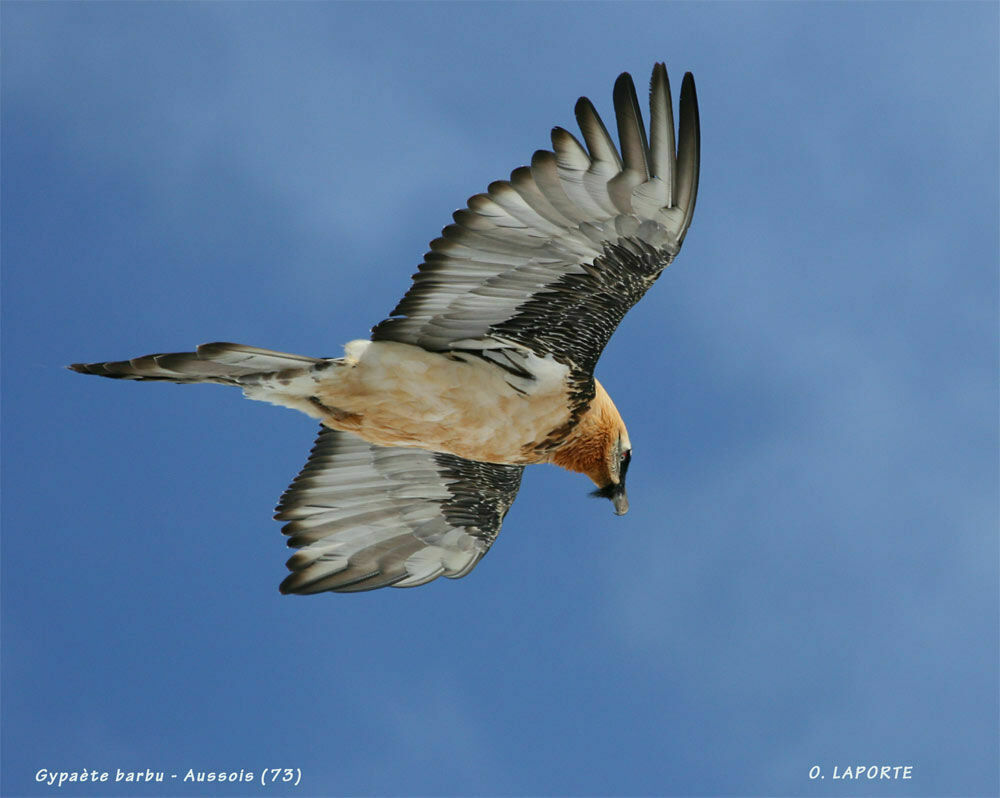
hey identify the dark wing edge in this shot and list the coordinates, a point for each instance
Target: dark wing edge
(554, 258)
(365, 516)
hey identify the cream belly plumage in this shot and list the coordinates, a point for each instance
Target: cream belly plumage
(487, 363)
(394, 394)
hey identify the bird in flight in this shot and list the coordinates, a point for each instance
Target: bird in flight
(487, 363)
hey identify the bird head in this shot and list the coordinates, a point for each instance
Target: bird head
(599, 447)
(612, 478)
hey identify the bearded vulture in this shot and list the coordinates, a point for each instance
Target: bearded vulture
(487, 363)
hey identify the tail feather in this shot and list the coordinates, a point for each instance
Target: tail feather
(219, 362)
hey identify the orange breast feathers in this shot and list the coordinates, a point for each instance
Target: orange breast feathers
(589, 448)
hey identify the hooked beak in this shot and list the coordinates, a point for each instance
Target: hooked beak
(620, 499)
(617, 495)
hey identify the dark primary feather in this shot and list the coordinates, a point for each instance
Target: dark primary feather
(366, 516)
(553, 258)
(635, 150)
(662, 147)
(688, 151)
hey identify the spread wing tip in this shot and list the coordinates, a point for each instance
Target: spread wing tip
(527, 250)
(688, 151)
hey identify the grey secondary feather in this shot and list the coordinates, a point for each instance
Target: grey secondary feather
(366, 516)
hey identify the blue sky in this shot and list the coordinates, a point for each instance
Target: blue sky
(809, 571)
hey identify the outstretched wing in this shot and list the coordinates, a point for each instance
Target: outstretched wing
(553, 258)
(366, 516)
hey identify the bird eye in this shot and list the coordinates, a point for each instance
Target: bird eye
(626, 456)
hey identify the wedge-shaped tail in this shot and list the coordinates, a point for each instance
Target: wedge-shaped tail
(225, 363)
